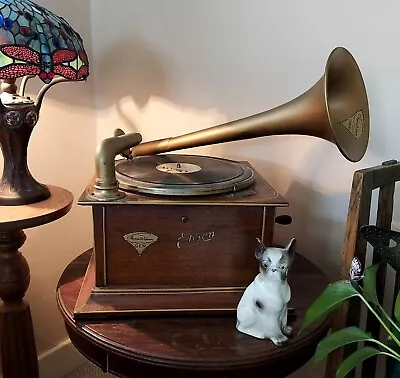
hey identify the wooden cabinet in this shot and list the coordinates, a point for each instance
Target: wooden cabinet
(157, 254)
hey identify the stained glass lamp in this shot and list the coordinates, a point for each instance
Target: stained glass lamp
(34, 42)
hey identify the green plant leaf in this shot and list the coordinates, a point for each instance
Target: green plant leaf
(369, 283)
(331, 298)
(338, 339)
(397, 308)
(355, 359)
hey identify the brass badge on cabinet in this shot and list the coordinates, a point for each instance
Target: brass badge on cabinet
(140, 240)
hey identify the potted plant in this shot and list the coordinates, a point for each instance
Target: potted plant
(362, 286)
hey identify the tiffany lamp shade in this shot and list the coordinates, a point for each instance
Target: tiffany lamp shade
(33, 42)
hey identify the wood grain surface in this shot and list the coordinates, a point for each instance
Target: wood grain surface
(195, 346)
(36, 214)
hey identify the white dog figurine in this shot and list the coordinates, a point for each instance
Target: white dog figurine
(262, 310)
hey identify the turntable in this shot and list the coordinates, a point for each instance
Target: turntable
(175, 233)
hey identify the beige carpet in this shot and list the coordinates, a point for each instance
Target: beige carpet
(88, 370)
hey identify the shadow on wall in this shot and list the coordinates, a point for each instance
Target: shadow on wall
(75, 93)
(130, 68)
(316, 181)
(126, 121)
(161, 118)
(318, 231)
(320, 237)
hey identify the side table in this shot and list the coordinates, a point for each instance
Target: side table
(17, 343)
(190, 346)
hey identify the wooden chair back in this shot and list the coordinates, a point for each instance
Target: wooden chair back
(382, 178)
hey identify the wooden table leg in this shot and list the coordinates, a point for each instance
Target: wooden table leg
(17, 342)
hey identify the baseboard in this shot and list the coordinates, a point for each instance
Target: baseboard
(60, 360)
(395, 226)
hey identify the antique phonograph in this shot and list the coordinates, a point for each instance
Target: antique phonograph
(175, 233)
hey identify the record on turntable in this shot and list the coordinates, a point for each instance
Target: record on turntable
(183, 175)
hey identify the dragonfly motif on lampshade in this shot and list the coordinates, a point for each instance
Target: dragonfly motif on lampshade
(34, 42)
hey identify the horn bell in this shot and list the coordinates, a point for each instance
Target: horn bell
(334, 109)
(347, 104)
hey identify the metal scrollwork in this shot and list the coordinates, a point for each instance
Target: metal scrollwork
(191, 240)
(31, 118)
(12, 119)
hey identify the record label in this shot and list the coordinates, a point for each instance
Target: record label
(178, 168)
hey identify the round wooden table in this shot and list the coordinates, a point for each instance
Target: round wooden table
(191, 346)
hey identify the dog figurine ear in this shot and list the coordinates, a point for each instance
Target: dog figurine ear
(260, 248)
(291, 249)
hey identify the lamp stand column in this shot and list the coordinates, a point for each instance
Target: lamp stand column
(17, 343)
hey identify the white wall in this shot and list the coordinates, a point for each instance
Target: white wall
(61, 153)
(169, 67)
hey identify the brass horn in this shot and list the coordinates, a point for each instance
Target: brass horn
(334, 109)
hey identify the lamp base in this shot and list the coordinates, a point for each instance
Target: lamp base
(32, 192)
(17, 185)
